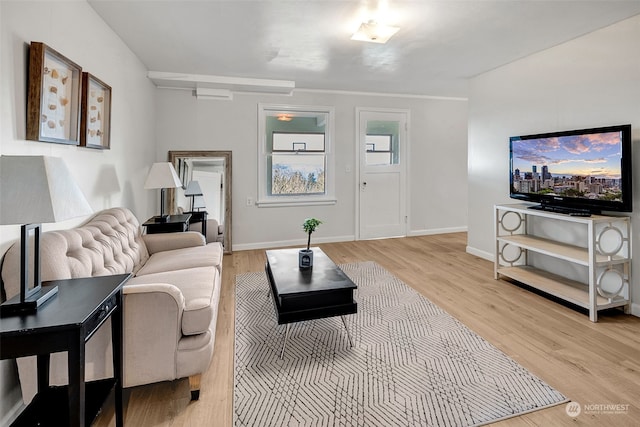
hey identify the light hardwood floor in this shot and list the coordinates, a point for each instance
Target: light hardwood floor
(590, 363)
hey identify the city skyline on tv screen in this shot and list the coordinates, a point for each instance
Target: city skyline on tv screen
(597, 155)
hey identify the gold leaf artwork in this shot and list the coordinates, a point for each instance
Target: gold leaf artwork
(64, 80)
(64, 101)
(54, 74)
(53, 89)
(51, 124)
(52, 106)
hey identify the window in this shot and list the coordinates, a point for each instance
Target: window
(378, 150)
(296, 156)
(297, 164)
(382, 143)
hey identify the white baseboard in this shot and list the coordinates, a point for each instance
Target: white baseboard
(348, 238)
(413, 233)
(635, 309)
(479, 253)
(295, 242)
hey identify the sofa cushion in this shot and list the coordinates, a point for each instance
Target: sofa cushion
(161, 242)
(197, 256)
(197, 287)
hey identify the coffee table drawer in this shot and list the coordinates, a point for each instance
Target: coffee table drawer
(316, 313)
(315, 300)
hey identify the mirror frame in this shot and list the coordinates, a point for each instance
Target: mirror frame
(173, 158)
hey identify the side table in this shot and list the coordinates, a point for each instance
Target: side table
(174, 224)
(66, 323)
(199, 217)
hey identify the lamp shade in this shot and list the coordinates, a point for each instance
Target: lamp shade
(162, 175)
(193, 189)
(37, 189)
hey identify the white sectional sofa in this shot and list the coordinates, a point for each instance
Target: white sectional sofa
(170, 305)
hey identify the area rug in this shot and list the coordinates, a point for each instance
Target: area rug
(412, 364)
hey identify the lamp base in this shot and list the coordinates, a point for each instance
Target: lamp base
(15, 307)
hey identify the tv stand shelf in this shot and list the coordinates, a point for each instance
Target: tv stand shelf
(602, 251)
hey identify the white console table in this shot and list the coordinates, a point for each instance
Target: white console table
(600, 246)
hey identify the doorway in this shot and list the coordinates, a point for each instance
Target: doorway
(382, 169)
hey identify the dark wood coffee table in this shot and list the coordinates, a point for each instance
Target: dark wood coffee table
(306, 294)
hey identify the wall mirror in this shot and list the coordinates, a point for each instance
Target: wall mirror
(212, 172)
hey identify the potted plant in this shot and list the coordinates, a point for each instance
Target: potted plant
(305, 256)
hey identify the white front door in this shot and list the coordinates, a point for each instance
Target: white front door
(382, 152)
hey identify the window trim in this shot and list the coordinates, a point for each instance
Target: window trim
(264, 199)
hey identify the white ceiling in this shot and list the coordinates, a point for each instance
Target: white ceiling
(439, 46)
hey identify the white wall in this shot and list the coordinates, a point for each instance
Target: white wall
(76, 31)
(588, 82)
(437, 169)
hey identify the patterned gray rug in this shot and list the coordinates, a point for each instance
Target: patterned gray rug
(412, 364)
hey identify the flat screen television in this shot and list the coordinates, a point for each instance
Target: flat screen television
(583, 171)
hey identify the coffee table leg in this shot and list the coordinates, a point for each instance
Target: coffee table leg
(286, 335)
(348, 334)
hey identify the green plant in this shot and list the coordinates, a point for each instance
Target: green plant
(309, 226)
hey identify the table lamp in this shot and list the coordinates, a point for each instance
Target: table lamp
(193, 190)
(33, 190)
(162, 175)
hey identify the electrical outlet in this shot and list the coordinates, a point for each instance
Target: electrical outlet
(249, 201)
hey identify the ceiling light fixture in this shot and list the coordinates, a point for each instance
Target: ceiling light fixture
(372, 31)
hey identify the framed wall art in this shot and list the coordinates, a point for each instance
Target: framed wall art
(53, 96)
(95, 112)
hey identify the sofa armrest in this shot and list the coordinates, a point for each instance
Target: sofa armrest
(152, 330)
(170, 241)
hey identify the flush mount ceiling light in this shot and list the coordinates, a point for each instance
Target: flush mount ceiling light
(374, 32)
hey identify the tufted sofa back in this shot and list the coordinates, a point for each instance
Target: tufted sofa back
(109, 243)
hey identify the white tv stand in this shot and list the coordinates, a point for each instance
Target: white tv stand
(599, 246)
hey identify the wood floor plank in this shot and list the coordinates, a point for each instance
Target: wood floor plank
(591, 363)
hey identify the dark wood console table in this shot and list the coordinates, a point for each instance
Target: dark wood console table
(199, 216)
(174, 224)
(66, 323)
